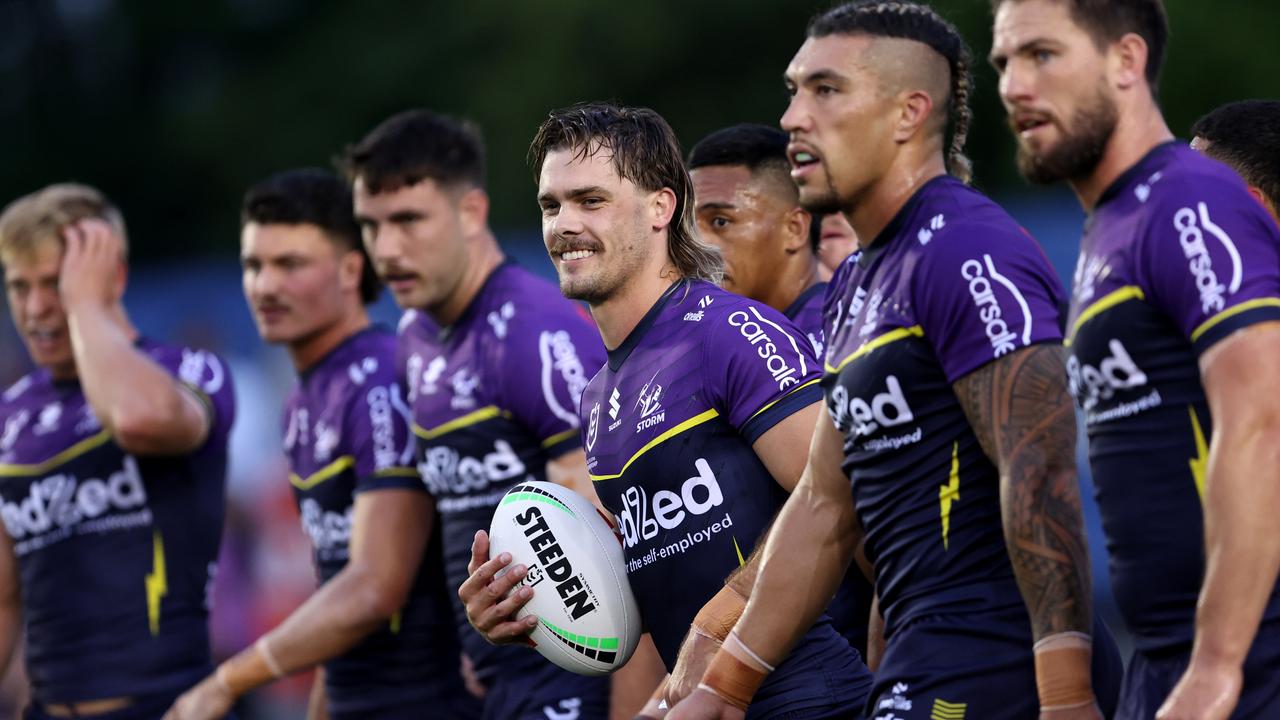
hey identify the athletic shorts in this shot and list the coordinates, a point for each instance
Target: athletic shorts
(547, 693)
(975, 667)
(1151, 677)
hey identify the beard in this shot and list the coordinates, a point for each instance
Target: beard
(1081, 148)
(819, 202)
(619, 265)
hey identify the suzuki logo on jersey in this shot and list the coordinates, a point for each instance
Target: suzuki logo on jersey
(752, 328)
(1002, 338)
(569, 586)
(641, 517)
(62, 501)
(1116, 372)
(1191, 238)
(444, 470)
(423, 382)
(327, 529)
(884, 410)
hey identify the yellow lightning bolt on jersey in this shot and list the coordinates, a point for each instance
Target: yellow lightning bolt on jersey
(1200, 463)
(157, 583)
(950, 493)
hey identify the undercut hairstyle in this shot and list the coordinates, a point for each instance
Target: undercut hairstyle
(918, 22)
(417, 145)
(761, 149)
(1106, 21)
(644, 151)
(1246, 136)
(312, 196)
(39, 217)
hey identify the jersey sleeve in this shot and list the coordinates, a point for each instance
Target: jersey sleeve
(548, 359)
(207, 376)
(984, 291)
(1211, 257)
(759, 368)
(380, 441)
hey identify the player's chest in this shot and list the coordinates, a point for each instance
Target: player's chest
(874, 302)
(655, 395)
(313, 435)
(44, 427)
(446, 381)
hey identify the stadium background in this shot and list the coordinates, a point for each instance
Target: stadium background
(174, 108)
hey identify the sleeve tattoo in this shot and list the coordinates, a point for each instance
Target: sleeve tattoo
(1021, 412)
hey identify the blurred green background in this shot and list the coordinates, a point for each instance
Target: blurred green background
(173, 108)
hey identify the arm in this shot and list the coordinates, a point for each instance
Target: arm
(146, 411)
(1021, 412)
(875, 635)
(10, 602)
(387, 543)
(806, 554)
(1241, 502)
(318, 703)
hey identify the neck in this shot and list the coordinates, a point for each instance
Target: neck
(1137, 131)
(484, 257)
(882, 201)
(798, 275)
(307, 352)
(618, 316)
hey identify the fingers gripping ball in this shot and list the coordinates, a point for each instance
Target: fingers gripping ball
(588, 621)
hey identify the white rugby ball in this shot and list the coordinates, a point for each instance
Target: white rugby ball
(588, 621)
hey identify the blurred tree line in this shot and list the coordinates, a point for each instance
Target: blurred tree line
(173, 108)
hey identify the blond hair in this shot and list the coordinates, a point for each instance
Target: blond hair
(39, 217)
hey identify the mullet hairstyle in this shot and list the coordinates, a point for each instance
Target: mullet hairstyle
(312, 196)
(1106, 21)
(644, 150)
(918, 22)
(40, 216)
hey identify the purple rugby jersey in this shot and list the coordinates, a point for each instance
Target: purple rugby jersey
(670, 423)
(805, 312)
(115, 552)
(494, 398)
(346, 431)
(1176, 257)
(951, 284)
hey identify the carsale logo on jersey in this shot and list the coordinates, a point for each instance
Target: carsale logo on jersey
(760, 333)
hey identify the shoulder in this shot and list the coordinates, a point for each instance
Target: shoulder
(202, 369)
(25, 387)
(519, 303)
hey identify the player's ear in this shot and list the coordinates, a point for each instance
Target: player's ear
(914, 107)
(1127, 61)
(473, 211)
(121, 280)
(662, 206)
(350, 270)
(796, 224)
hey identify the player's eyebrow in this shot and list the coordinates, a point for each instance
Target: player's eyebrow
(996, 57)
(716, 206)
(819, 75)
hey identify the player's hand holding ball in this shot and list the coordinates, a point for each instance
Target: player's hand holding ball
(489, 610)
(209, 700)
(92, 269)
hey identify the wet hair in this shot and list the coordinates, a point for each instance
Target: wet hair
(758, 148)
(1106, 21)
(312, 196)
(918, 22)
(39, 217)
(417, 145)
(1246, 136)
(644, 150)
